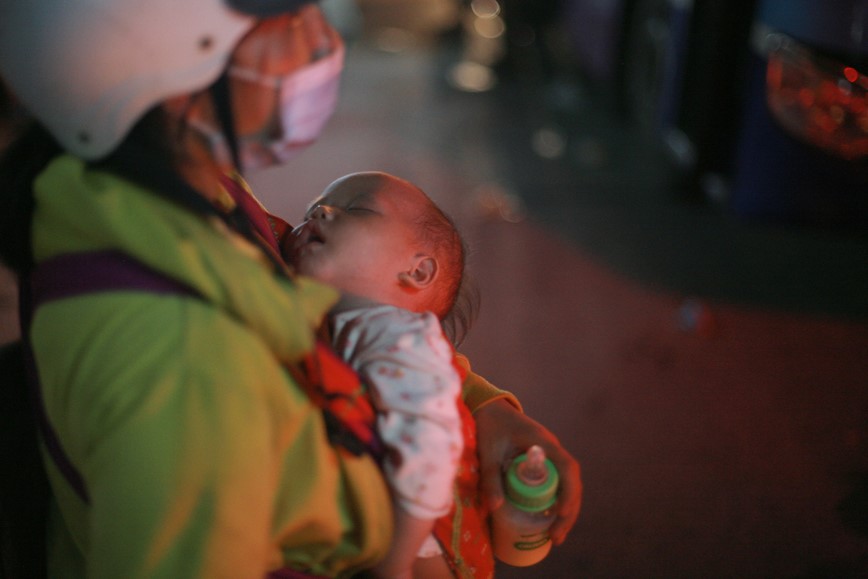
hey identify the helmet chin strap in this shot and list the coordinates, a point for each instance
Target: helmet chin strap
(221, 94)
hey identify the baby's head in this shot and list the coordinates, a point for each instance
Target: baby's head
(380, 237)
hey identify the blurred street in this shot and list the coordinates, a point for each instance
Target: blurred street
(709, 373)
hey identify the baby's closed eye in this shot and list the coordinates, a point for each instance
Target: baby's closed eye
(360, 209)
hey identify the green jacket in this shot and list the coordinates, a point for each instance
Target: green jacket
(201, 456)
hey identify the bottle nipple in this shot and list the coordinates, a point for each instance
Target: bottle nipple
(533, 470)
(532, 481)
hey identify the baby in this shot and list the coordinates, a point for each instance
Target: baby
(399, 262)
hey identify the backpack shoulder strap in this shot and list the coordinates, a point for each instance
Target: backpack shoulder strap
(70, 275)
(73, 274)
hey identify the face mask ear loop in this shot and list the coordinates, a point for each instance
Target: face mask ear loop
(221, 94)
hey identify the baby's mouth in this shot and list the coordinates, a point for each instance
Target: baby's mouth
(309, 237)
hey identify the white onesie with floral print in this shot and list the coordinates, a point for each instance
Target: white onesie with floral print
(406, 362)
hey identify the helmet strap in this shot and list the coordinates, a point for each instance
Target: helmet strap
(221, 94)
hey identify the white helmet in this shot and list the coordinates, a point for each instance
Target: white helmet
(89, 69)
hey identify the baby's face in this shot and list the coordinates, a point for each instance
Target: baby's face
(359, 236)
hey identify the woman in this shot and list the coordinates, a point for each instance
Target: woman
(175, 355)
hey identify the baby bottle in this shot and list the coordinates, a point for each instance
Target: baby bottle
(520, 527)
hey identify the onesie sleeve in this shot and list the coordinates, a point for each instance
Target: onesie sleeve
(407, 362)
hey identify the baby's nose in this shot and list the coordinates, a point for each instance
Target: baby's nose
(323, 212)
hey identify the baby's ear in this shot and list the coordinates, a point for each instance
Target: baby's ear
(422, 273)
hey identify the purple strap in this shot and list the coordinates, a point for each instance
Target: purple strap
(74, 274)
(49, 436)
(70, 275)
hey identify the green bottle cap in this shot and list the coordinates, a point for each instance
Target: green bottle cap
(533, 486)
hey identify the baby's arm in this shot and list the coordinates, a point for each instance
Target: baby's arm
(407, 362)
(410, 532)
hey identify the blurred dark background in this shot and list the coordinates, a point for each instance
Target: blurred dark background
(672, 280)
(666, 206)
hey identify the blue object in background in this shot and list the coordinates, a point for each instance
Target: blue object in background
(831, 25)
(779, 177)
